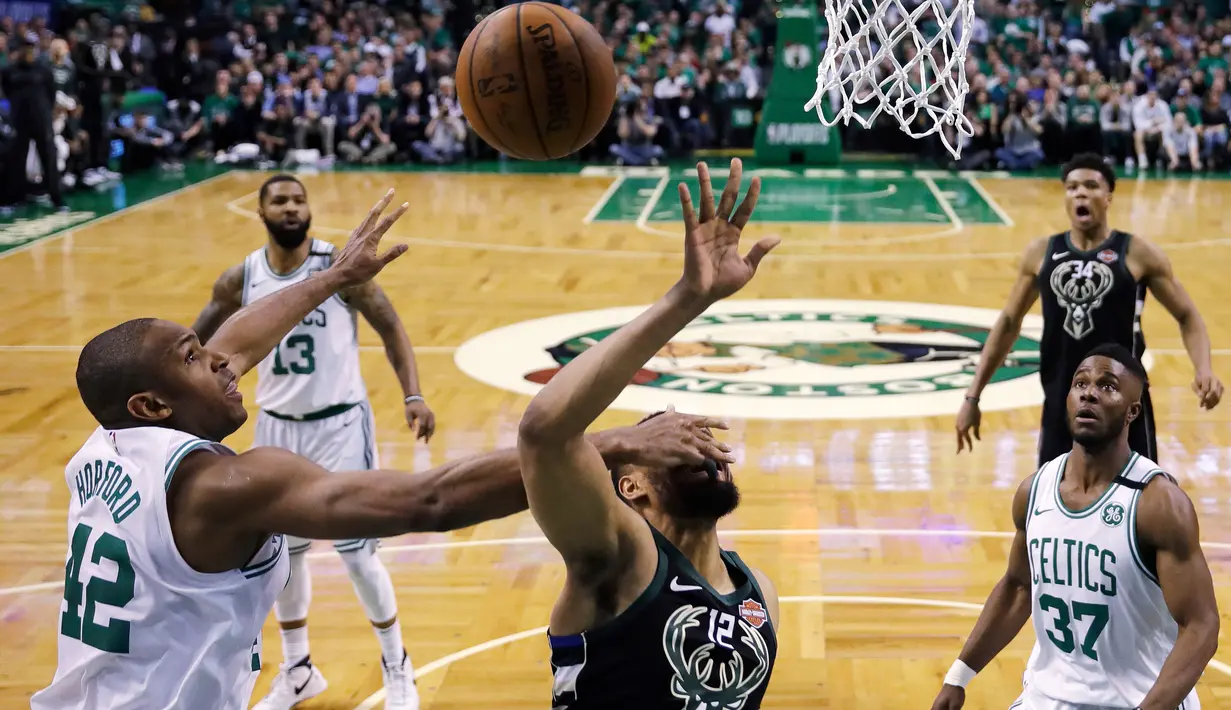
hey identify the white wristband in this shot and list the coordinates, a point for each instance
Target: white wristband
(959, 674)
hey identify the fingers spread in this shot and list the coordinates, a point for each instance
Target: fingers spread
(394, 252)
(707, 192)
(744, 213)
(690, 216)
(760, 249)
(730, 193)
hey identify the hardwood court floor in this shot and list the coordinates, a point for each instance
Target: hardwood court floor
(837, 510)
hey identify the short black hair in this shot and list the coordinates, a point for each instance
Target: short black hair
(282, 177)
(112, 367)
(1124, 356)
(1090, 161)
(616, 470)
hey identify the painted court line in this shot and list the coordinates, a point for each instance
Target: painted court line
(114, 215)
(539, 540)
(443, 662)
(602, 201)
(644, 218)
(945, 205)
(991, 201)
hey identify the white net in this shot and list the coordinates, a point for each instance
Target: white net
(903, 59)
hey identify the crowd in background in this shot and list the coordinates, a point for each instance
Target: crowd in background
(1146, 86)
(372, 83)
(358, 82)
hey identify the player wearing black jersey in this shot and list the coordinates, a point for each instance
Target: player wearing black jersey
(654, 614)
(1093, 281)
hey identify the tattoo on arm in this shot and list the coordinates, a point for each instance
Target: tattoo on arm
(227, 298)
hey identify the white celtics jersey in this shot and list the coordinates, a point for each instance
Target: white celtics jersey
(316, 366)
(138, 628)
(1102, 628)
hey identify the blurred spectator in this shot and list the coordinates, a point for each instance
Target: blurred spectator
(31, 89)
(314, 117)
(186, 125)
(277, 131)
(1180, 141)
(1151, 118)
(637, 128)
(368, 140)
(1021, 129)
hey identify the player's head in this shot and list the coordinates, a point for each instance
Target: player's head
(692, 496)
(1088, 184)
(284, 210)
(150, 372)
(1105, 396)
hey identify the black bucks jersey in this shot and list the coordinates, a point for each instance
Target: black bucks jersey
(680, 646)
(1090, 298)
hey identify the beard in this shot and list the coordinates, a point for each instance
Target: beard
(1096, 440)
(288, 237)
(686, 497)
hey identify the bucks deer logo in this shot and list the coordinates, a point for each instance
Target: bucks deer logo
(1080, 287)
(694, 680)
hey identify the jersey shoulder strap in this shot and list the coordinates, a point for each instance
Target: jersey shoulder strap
(1139, 472)
(254, 270)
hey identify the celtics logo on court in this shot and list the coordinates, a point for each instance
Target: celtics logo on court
(782, 359)
(703, 679)
(1113, 515)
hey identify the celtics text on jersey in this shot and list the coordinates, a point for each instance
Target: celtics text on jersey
(315, 369)
(680, 646)
(138, 627)
(1102, 627)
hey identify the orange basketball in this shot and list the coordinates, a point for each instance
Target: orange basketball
(536, 81)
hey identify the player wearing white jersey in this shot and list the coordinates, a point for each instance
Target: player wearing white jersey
(176, 545)
(1107, 563)
(313, 402)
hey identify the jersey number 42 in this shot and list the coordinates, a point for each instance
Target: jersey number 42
(79, 624)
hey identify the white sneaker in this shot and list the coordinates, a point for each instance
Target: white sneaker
(400, 690)
(294, 685)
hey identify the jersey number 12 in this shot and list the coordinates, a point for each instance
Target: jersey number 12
(112, 638)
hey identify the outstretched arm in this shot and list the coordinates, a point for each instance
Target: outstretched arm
(1162, 282)
(220, 504)
(1167, 524)
(1004, 613)
(570, 490)
(249, 335)
(370, 300)
(225, 301)
(1000, 340)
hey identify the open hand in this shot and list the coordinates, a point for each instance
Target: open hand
(671, 439)
(713, 266)
(358, 261)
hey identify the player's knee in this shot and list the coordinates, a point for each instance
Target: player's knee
(372, 583)
(295, 598)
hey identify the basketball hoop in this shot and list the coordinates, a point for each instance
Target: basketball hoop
(903, 62)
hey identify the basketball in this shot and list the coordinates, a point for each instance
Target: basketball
(536, 81)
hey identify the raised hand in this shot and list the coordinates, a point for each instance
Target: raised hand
(713, 266)
(358, 262)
